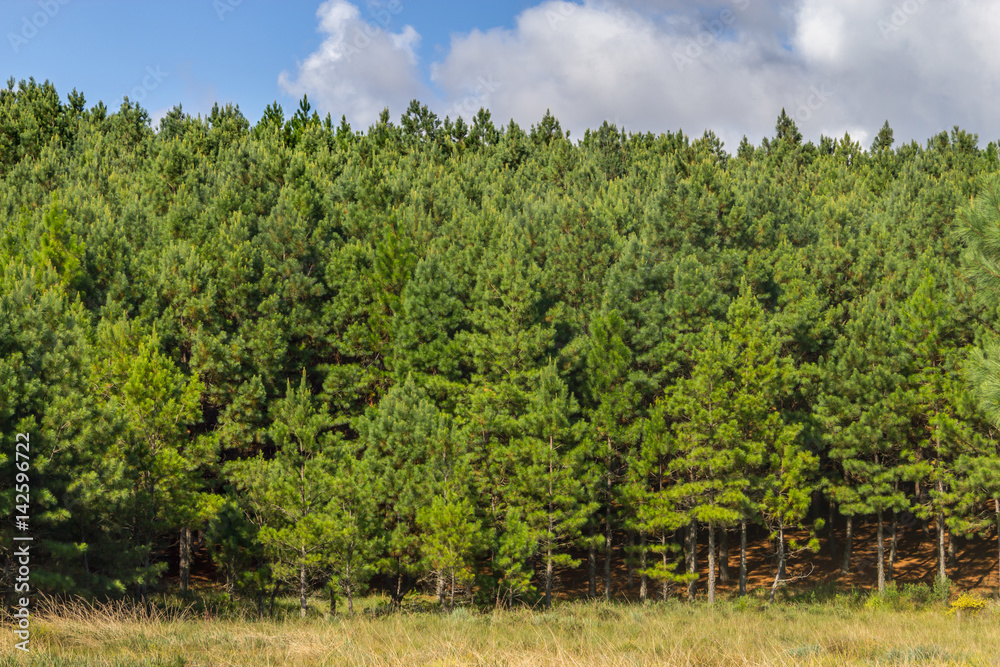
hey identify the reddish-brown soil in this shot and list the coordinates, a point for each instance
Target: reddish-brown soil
(975, 567)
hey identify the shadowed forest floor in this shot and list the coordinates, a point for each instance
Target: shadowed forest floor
(975, 568)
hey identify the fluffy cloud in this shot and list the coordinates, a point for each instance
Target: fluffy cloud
(361, 67)
(729, 66)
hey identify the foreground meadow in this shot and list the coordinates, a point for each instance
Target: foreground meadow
(842, 631)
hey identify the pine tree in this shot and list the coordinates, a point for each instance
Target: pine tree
(942, 414)
(407, 442)
(150, 403)
(544, 467)
(290, 494)
(864, 419)
(608, 362)
(452, 536)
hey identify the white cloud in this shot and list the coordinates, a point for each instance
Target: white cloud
(361, 67)
(657, 65)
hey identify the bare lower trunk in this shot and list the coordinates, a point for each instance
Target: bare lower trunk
(274, 594)
(630, 562)
(831, 533)
(780, 576)
(643, 578)
(881, 555)
(942, 572)
(607, 549)
(451, 599)
(724, 556)
(333, 599)
(591, 571)
(185, 557)
(665, 585)
(892, 546)
(303, 603)
(711, 563)
(440, 588)
(743, 556)
(549, 574)
(996, 506)
(350, 592)
(692, 558)
(845, 566)
(952, 559)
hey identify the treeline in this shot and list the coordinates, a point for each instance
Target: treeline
(464, 355)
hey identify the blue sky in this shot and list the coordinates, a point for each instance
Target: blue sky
(649, 65)
(202, 50)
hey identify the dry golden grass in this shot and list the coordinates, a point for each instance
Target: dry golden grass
(830, 633)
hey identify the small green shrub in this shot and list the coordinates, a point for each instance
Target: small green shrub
(918, 594)
(942, 590)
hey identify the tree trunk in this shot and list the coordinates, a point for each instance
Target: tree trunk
(607, 547)
(952, 560)
(231, 575)
(333, 598)
(845, 566)
(185, 558)
(831, 533)
(743, 556)
(780, 576)
(274, 594)
(692, 558)
(549, 574)
(996, 507)
(630, 562)
(643, 578)
(350, 591)
(711, 563)
(724, 556)
(892, 545)
(591, 570)
(440, 588)
(303, 603)
(665, 585)
(942, 572)
(881, 555)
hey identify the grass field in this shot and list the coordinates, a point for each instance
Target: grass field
(841, 629)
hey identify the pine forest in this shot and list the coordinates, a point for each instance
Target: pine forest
(489, 365)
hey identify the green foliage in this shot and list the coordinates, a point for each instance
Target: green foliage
(446, 347)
